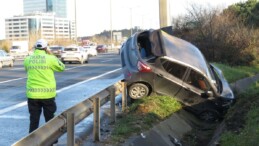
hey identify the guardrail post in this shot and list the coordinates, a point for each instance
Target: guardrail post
(124, 96)
(70, 129)
(96, 129)
(112, 105)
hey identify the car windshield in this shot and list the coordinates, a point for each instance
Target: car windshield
(55, 48)
(15, 47)
(70, 49)
(215, 78)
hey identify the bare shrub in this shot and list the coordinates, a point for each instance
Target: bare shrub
(220, 36)
(5, 45)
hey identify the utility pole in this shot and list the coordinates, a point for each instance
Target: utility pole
(111, 21)
(163, 13)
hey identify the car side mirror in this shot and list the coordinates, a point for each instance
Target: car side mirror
(207, 94)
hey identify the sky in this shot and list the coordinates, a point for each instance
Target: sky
(93, 16)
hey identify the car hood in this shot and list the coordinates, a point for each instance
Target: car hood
(164, 44)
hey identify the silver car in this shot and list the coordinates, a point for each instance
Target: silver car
(74, 53)
(156, 62)
(56, 50)
(6, 59)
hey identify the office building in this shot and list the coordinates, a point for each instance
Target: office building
(58, 7)
(43, 25)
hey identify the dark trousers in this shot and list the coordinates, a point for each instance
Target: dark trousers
(35, 107)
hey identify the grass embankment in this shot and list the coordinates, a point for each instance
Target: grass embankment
(242, 120)
(143, 114)
(233, 74)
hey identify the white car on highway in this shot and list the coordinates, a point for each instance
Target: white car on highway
(6, 59)
(91, 50)
(74, 53)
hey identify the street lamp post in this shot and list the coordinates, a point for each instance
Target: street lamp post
(75, 24)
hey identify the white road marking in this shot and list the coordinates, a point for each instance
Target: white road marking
(13, 117)
(5, 110)
(74, 67)
(25, 78)
(11, 80)
(22, 68)
(96, 77)
(11, 108)
(107, 60)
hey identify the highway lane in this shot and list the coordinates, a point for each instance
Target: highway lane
(80, 80)
(13, 80)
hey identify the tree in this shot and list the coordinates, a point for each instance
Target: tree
(247, 11)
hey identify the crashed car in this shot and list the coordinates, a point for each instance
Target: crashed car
(174, 67)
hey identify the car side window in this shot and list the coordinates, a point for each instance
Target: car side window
(173, 68)
(197, 80)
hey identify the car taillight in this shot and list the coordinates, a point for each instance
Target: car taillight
(142, 67)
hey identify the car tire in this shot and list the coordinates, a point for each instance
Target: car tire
(82, 61)
(11, 64)
(87, 60)
(138, 90)
(209, 116)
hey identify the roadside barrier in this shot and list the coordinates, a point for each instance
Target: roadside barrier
(66, 121)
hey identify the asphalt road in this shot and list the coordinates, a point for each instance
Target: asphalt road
(75, 84)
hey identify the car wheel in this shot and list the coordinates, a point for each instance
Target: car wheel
(138, 90)
(11, 64)
(82, 61)
(209, 116)
(87, 60)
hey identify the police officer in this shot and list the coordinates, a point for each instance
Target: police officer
(41, 83)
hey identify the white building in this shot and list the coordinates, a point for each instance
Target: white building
(44, 25)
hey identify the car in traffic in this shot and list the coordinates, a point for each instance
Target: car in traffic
(174, 67)
(102, 49)
(6, 59)
(91, 50)
(74, 53)
(56, 50)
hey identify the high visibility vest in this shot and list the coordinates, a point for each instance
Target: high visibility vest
(40, 68)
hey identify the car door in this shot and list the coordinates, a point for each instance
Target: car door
(169, 76)
(194, 85)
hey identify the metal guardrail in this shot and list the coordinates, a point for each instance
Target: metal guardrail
(65, 122)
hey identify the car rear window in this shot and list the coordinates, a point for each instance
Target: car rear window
(55, 48)
(70, 49)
